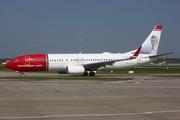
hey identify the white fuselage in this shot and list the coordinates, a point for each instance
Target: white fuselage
(61, 61)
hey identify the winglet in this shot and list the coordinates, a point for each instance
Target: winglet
(136, 53)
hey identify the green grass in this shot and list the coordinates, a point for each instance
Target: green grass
(159, 70)
(4, 69)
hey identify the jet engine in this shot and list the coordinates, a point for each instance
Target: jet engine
(75, 69)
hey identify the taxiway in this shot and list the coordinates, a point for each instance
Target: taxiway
(144, 98)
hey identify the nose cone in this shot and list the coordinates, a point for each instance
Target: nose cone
(8, 65)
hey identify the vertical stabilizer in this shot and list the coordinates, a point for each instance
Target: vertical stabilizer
(150, 45)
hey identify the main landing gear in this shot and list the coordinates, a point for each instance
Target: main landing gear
(91, 73)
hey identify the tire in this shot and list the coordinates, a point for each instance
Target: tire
(22, 75)
(85, 74)
(91, 74)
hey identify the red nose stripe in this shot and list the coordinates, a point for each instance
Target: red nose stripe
(28, 63)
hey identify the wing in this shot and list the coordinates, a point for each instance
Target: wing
(95, 66)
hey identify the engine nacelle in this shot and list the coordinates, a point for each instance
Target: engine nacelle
(75, 69)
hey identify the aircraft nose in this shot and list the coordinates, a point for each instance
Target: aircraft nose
(8, 65)
(5, 64)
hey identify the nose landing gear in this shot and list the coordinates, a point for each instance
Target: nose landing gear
(22, 74)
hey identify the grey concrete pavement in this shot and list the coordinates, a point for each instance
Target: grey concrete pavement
(142, 99)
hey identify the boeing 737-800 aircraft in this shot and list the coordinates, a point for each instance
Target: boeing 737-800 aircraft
(88, 64)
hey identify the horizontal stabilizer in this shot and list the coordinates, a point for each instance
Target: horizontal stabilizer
(158, 55)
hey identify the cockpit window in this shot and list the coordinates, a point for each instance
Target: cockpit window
(15, 60)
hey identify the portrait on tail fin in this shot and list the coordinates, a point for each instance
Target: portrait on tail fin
(154, 41)
(150, 45)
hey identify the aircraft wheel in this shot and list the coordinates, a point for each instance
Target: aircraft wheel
(85, 74)
(22, 75)
(91, 74)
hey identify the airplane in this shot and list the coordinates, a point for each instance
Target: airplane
(89, 64)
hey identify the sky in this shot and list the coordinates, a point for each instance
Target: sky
(86, 26)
